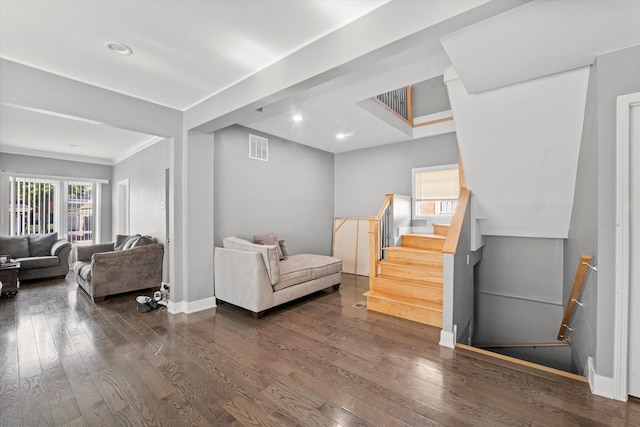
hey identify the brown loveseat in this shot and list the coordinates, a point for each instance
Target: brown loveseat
(128, 264)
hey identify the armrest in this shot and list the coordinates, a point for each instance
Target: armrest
(59, 245)
(241, 279)
(85, 252)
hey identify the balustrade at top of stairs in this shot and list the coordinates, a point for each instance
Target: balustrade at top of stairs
(410, 278)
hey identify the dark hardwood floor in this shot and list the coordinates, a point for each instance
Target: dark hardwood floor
(319, 361)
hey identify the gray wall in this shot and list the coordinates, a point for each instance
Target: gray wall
(290, 195)
(363, 177)
(519, 292)
(583, 235)
(430, 96)
(617, 75)
(64, 168)
(146, 174)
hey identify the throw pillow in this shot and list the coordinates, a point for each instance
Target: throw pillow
(268, 239)
(284, 249)
(15, 246)
(131, 241)
(122, 239)
(40, 244)
(142, 241)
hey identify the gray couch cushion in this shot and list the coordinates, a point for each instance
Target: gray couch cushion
(16, 246)
(269, 254)
(124, 242)
(38, 262)
(40, 244)
(304, 267)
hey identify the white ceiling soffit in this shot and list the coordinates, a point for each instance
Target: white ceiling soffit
(66, 138)
(540, 38)
(183, 51)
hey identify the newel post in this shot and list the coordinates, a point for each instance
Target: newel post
(374, 239)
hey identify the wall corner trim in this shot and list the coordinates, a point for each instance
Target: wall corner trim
(448, 339)
(600, 385)
(191, 307)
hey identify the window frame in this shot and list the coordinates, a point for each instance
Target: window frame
(414, 199)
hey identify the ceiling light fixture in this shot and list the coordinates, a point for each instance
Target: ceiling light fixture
(297, 118)
(340, 136)
(119, 48)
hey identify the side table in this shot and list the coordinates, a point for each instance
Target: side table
(9, 278)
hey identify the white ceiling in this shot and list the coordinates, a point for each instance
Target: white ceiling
(187, 51)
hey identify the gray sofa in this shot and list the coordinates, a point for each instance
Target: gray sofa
(41, 256)
(129, 264)
(253, 276)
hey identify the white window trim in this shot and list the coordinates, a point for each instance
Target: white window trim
(414, 171)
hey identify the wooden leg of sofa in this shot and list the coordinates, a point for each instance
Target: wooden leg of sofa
(336, 287)
(259, 314)
(99, 299)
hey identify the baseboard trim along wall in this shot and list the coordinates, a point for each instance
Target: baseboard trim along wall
(600, 385)
(191, 307)
(448, 339)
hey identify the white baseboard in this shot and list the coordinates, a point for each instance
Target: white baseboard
(448, 339)
(600, 385)
(191, 307)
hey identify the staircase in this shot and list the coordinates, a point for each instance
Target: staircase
(411, 278)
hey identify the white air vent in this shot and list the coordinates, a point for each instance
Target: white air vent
(258, 148)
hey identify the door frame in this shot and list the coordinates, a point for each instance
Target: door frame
(123, 207)
(624, 103)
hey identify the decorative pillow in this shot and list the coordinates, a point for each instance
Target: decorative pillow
(121, 240)
(40, 244)
(15, 246)
(284, 249)
(142, 241)
(130, 242)
(268, 239)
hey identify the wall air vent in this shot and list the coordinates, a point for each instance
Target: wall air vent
(258, 148)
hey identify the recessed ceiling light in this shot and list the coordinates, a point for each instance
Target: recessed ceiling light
(297, 118)
(340, 136)
(119, 48)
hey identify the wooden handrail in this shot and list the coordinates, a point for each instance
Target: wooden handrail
(455, 228)
(578, 282)
(374, 236)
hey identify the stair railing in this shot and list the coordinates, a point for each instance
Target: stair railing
(399, 102)
(578, 283)
(379, 237)
(455, 228)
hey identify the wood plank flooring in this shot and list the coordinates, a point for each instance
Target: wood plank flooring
(317, 362)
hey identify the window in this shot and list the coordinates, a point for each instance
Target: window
(435, 191)
(44, 205)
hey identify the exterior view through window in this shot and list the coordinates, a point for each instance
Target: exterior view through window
(435, 191)
(40, 205)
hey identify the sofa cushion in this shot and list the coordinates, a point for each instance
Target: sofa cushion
(16, 246)
(283, 249)
(269, 254)
(304, 267)
(268, 239)
(40, 244)
(83, 269)
(38, 262)
(142, 241)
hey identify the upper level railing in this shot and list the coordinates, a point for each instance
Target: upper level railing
(399, 101)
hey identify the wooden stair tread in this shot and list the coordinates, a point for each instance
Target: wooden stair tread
(410, 249)
(425, 236)
(405, 300)
(413, 282)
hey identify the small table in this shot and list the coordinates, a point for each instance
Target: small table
(9, 278)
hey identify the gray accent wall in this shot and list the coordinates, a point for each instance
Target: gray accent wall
(429, 97)
(290, 195)
(583, 235)
(63, 168)
(519, 293)
(617, 75)
(146, 174)
(364, 177)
